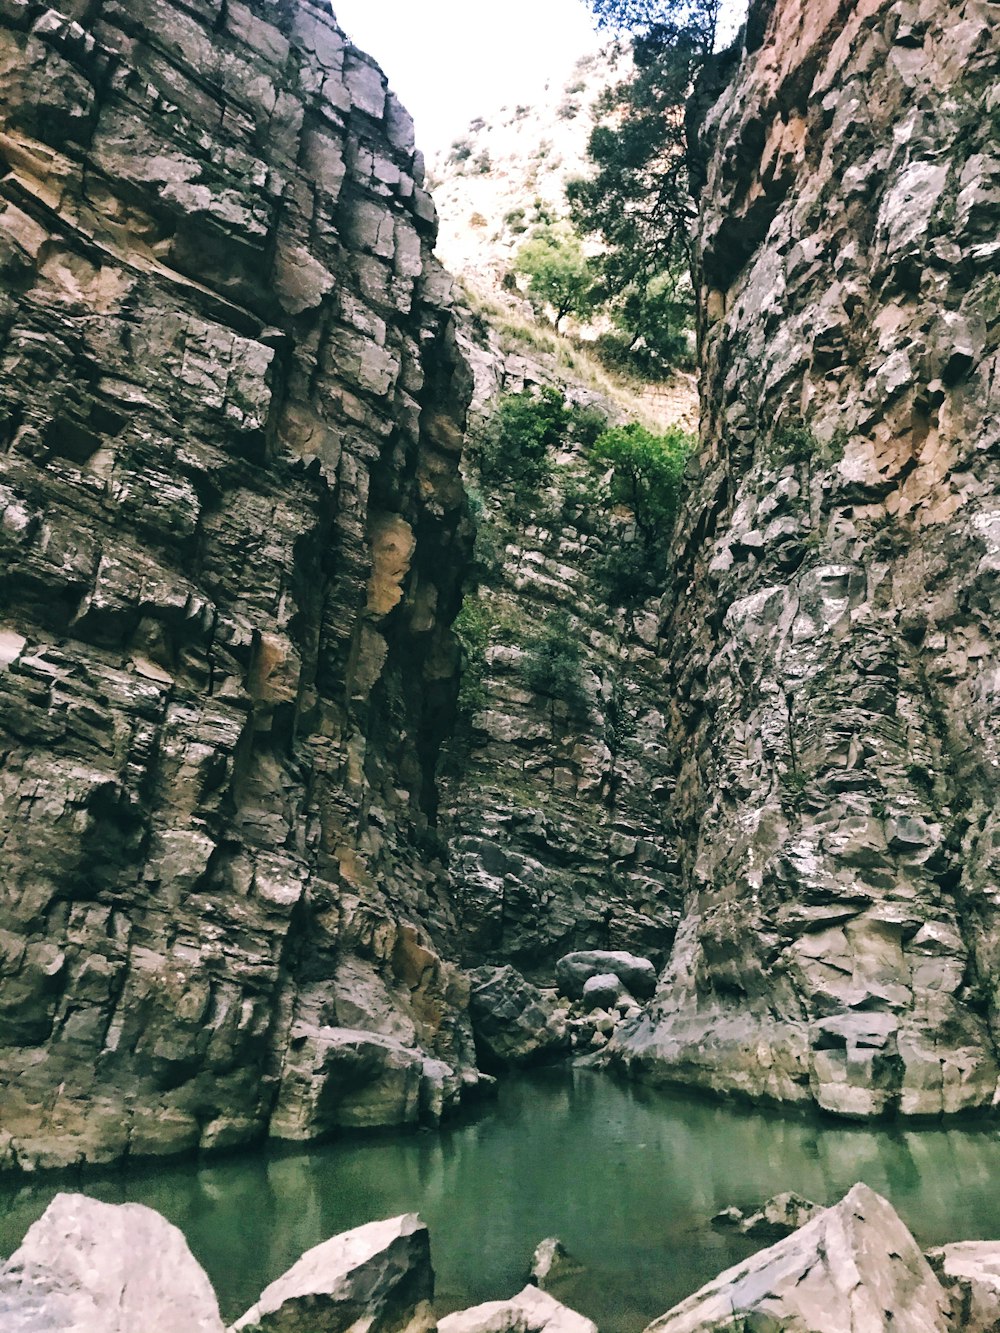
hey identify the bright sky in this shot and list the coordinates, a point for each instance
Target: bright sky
(452, 60)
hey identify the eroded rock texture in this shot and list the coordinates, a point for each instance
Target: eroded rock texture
(554, 805)
(231, 524)
(833, 626)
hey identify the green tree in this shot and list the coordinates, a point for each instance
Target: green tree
(558, 272)
(639, 197)
(517, 440)
(648, 470)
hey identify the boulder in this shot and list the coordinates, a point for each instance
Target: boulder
(552, 1264)
(530, 1311)
(854, 1267)
(777, 1217)
(513, 1021)
(602, 992)
(970, 1272)
(574, 970)
(378, 1277)
(91, 1267)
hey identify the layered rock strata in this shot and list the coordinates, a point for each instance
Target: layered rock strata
(833, 622)
(554, 808)
(231, 413)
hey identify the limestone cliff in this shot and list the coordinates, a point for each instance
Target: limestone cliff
(233, 533)
(554, 807)
(832, 626)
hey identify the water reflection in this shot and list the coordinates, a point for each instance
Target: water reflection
(627, 1178)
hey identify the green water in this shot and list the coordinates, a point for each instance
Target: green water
(628, 1179)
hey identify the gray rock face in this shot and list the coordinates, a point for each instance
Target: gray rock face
(833, 623)
(377, 1276)
(231, 539)
(970, 1272)
(574, 970)
(530, 1311)
(513, 1021)
(601, 992)
(90, 1267)
(854, 1266)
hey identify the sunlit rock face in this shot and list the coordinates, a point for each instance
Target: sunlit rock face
(232, 531)
(832, 625)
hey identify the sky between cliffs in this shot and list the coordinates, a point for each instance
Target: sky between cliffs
(451, 60)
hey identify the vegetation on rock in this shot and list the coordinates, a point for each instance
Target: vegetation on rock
(558, 272)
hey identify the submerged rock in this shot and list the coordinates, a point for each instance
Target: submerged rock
(552, 1265)
(530, 1311)
(512, 1020)
(574, 970)
(779, 1216)
(854, 1267)
(377, 1277)
(91, 1267)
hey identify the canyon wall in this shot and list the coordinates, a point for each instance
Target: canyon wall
(233, 533)
(554, 798)
(832, 624)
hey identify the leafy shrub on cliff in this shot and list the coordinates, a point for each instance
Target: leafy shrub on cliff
(472, 630)
(515, 443)
(647, 471)
(553, 664)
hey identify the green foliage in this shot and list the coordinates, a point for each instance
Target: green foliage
(553, 664)
(638, 198)
(472, 630)
(648, 470)
(647, 474)
(516, 441)
(585, 424)
(461, 151)
(558, 272)
(515, 221)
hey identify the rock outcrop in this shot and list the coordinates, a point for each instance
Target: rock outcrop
(969, 1271)
(233, 537)
(514, 1022)
(530, 1311)
(91, 1267)
(833, 623)
(854, 1266)
(377, 1277)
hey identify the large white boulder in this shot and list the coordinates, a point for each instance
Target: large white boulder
(92, 1267)
(377, 1277)
(854, 1268)
(970, 1271)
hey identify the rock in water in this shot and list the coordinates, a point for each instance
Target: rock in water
(530, 1311)
(552, 1265)
(513, 1021)
(573, 970)
(854, 1267)
(91, 1267)
(779, 1216)
(970, 1272)
(377, 1277)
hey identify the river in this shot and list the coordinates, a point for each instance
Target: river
(627, 1178)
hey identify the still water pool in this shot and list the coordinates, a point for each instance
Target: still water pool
(627, 1178)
